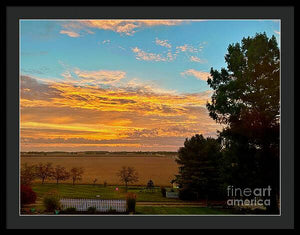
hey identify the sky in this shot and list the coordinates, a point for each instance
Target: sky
(122, 85)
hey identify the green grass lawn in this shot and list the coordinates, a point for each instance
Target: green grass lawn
(91, 191)
(110, 192)
(155, 210)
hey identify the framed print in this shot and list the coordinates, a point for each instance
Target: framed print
(149, 117)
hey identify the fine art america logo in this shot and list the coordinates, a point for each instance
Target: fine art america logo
(248, 196)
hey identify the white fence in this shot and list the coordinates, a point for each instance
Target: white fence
(100, 205)
(172, 195)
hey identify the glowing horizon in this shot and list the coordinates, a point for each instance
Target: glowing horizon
(121, 85)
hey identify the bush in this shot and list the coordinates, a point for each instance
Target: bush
(51, 202)
(28, 196)
(150, 184)
(70, 210)
(131, 201)
(163, 191)
(92, 210)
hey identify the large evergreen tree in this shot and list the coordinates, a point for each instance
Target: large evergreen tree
(198, 172)
(246, 100)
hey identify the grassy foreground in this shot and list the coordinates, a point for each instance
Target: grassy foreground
(155, 210)
(109, 192)
(155, 203)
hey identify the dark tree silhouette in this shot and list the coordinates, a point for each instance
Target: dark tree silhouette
(44, 171)
(150, 184)
(60, 173)
(128, 175)
(246, 100)
(198, 172)
(28, 174)
(76, 174)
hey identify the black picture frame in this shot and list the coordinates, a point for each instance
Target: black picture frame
(11, 162)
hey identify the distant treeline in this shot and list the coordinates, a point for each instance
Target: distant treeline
(41, 153)
(62, 152)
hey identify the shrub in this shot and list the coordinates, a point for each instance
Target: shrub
(70, 210)
(163, 191)
(51, 201)
(92, 210)
(27, 195)
(131, 201)
(150, 184)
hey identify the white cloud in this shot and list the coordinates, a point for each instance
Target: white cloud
(106, 41)
(197, 59)
(188, 48)
(96, 77)
(197, 74)
(164, 43)
(147, 56)
(277, 32)
(100, 76)
(70, 33)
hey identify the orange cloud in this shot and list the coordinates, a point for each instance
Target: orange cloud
(112, 117)
(125, 27)
(70, 33)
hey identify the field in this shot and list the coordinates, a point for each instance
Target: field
(161, 168)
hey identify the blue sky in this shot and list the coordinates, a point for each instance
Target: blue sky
(44, 49)
(140, 84)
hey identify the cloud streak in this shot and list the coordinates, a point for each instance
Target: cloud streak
(100, 76)
(169, 54)
(197, 59)
(201, 75)
(63, 114)
(71, 34)
(277, 32)
(163, 43)
(147, 56)
(123, 27)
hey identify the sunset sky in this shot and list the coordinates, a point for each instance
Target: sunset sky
(121, 85)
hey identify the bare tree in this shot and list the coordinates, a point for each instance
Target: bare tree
(60, 173)
(28, 174)
(76, 174)
(44, 171)
(128, 175)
